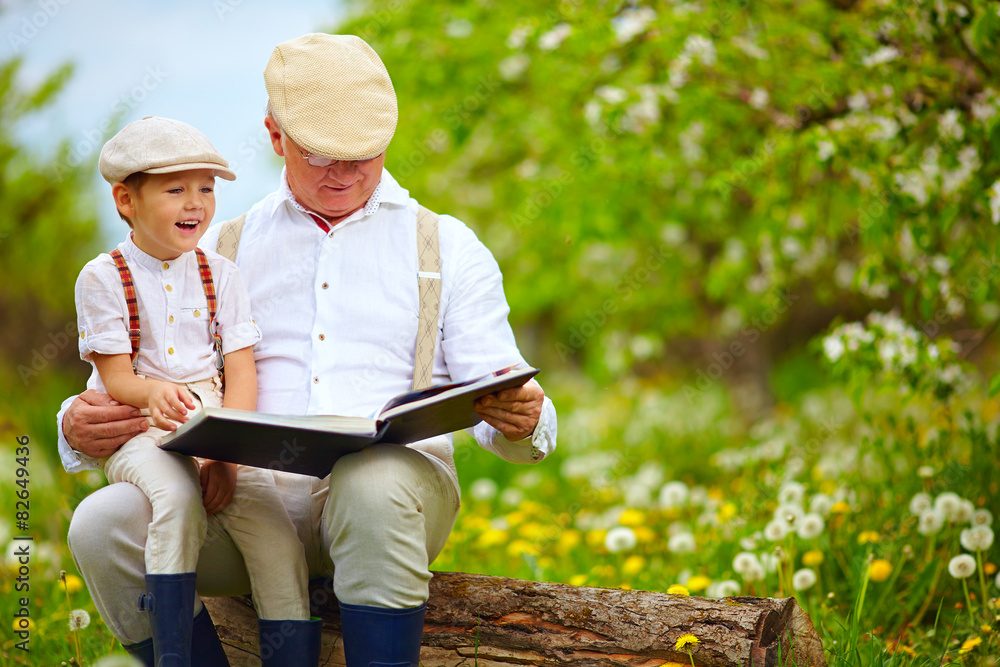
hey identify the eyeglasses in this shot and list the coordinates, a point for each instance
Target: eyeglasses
(323, 162)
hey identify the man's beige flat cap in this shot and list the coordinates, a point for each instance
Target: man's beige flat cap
(159, 146)
(332, 96)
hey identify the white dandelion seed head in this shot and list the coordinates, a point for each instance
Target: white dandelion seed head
(483, 488)
(620, 538)
(744, 561)
(803, 579)
(962, 566)
(673, 494)
(776, 530)
(789, 514)
(632, 22)
(553, 38)
(722, 589)
(964, 512)
(681, 543)
(810, 526)
(925, 472)
(920, 503)
(78, 619)
(754, 573)
(982, 517)
(821, 504)
(770, 561)
(930, 522)
(512, 496)
(977, 538)
(791, 493)
(748, 543)
(947, 503)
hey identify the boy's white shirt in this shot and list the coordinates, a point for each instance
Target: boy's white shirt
(352, 355)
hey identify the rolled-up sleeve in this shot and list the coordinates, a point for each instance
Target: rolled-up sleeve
(100, 308)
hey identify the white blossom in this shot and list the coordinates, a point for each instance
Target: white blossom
(632, 22)
(995, 202)
(982, 517)
(882, 55)
(803, 579)
(611, 94)
(948, 504)
(962, 566)
(620, 538)
(518, 37)
(833, 347)
(949, 126)
(483, 488)
(977, 538)
(810, 526)
(919, 503)
(750, 48)
(78, 619)
(701, 48)
(673, 494)
(722, 589)
(758, 98)
(512, 67)
(512, 496)
(858, 101)
(681, 543)
(745, 561)
(459, 28)
(791, 493)
(930, 522)
(776, 530)
(551, 40)
(825, 150)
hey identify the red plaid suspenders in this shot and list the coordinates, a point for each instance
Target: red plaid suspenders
(133, 304)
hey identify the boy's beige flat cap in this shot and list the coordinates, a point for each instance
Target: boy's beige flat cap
(332, 96)
(159, 146)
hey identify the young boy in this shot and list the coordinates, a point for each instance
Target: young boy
(157, 319)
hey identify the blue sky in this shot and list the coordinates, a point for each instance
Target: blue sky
(199, 61)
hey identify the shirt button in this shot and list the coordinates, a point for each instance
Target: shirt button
(322, 337)
(171, 319)
(315, 380)
(169, 288)
(197, 313)
(326, 285)
(166, 266)
(170, 350)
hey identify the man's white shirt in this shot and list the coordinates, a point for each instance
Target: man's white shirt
(338, 313)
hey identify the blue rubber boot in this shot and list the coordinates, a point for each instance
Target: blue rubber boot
(206, 649)
(289, 643)
(380, 637)
(169, 599)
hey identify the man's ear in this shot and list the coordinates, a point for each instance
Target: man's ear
(124, 199)
(275, 134)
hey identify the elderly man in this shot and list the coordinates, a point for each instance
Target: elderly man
(331, 261)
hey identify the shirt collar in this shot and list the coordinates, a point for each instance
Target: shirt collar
(388, 191)
(133, 254)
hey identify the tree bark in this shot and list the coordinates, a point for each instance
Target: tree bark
(498, 622)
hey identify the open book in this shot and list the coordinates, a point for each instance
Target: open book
(311, 444)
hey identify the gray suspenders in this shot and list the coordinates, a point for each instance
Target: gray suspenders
(428, 284)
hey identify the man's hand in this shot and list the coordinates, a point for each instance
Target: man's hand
(218, 480)
(97, 425)
(513, 412)
(168, 401)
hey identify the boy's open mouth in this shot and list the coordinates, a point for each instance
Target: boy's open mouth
(187, 225)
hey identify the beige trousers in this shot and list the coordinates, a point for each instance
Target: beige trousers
(255, 520)
(373, 526)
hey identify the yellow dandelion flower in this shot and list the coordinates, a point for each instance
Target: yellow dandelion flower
(879, 570)
(989, 569)
(633, 565)
(521, 547)
(535, 531)
(828, 486)
(72, 583)
(868, 537)
(727, 512)
(516, 518)
(643, 534)
(632, 518)
(970, 644)
(568, 539)
(532, 507)
(698, 582)
(812, 558)
(686, 640)
(23, 624)
(677, 589)
(908, 650)
(578, 580)
(986, 629)
(492, 538)
(840, 507)
(626, 587)
(596, 537)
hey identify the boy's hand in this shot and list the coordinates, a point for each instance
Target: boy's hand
(168, 401)
(218, 480)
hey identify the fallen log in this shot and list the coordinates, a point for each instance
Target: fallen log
(475, 620)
